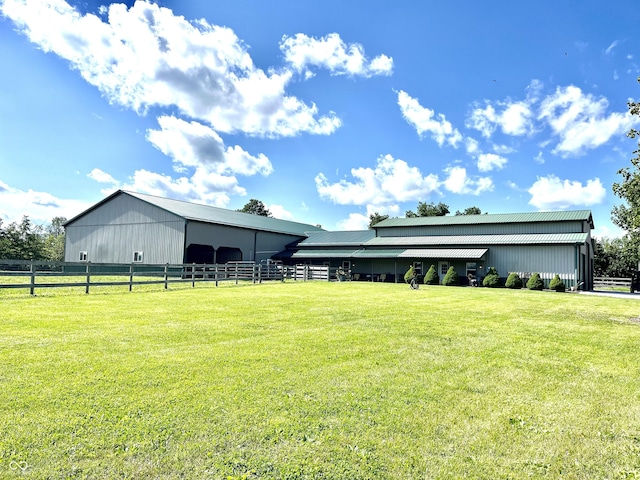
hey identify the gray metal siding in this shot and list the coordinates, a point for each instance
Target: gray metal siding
(558, 259)
(112, 232)
(487, 229)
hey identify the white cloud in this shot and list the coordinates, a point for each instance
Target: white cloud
(471, 146)
(192, 144)
(611, 47)
(202, 187)
(580, 120)
(513, 118)
(490, 161)
(40, 207)
(392, 180)
(359, 221)
(278, 211)
(332, 53)
(459, 182)
(146, 56)
(102, 177)
(552, 193)
(355, 221)
(426, 120)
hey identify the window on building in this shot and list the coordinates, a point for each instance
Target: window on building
(83, 256)
(137, 257)
(417, 267)
(472, 268)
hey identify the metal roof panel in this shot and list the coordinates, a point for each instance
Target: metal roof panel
(510, 239)
(528, 217)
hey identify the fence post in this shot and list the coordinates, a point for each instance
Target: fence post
(193, 275)
(259, 273)
(86, 289)
(215, 273)
(32, 270)
(130, 277)
(166, 276)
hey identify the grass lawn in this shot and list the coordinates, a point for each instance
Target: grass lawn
(319, 380)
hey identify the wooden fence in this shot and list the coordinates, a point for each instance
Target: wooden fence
(609, 282)
(41, 274)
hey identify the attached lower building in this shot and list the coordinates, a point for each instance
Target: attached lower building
(547, 243)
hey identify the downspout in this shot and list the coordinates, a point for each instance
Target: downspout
(184, 246)
(576, 265)
(255, 244)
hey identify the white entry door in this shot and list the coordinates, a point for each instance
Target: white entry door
(443, 267)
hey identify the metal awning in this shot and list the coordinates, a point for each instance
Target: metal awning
(324, 253)
(379, 253)
(446, 253)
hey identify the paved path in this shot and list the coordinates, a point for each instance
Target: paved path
(604, 293)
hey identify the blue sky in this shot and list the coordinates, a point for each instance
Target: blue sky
(325, 111)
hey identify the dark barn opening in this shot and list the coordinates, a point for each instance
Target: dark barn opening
(200, 253)
(228, 254)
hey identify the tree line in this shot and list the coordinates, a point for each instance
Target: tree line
(25, 240)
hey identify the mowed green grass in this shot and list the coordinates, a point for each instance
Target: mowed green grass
(319, 380)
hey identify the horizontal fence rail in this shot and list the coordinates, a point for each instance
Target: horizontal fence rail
(34, 274)
(600, 282)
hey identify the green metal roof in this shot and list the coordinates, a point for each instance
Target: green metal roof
(530, 217)
(448, 253)
(379, 253)
(323, 253)
(511, 239)
(338, 238)
(209, 214)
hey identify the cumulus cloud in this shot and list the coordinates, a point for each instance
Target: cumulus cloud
(40, 207)
(102, 177)
(192, 144)
(146, 56)
(391, 181)
(512, 118)
(490, 161)
(552, 193)
(580, 120)
(457, 181)
(425, 120)
(332, 53)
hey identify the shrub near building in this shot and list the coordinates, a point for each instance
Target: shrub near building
(492, 279)
(451, 278)
(431, 278)
(513, 281)
(557, 284)
(535, 282)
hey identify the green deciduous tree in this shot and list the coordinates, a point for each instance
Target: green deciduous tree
(469, 211)
(256, 207)
(27, 241)
(428, 210)
(616, 257)
(627, 215)
(375, 218)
